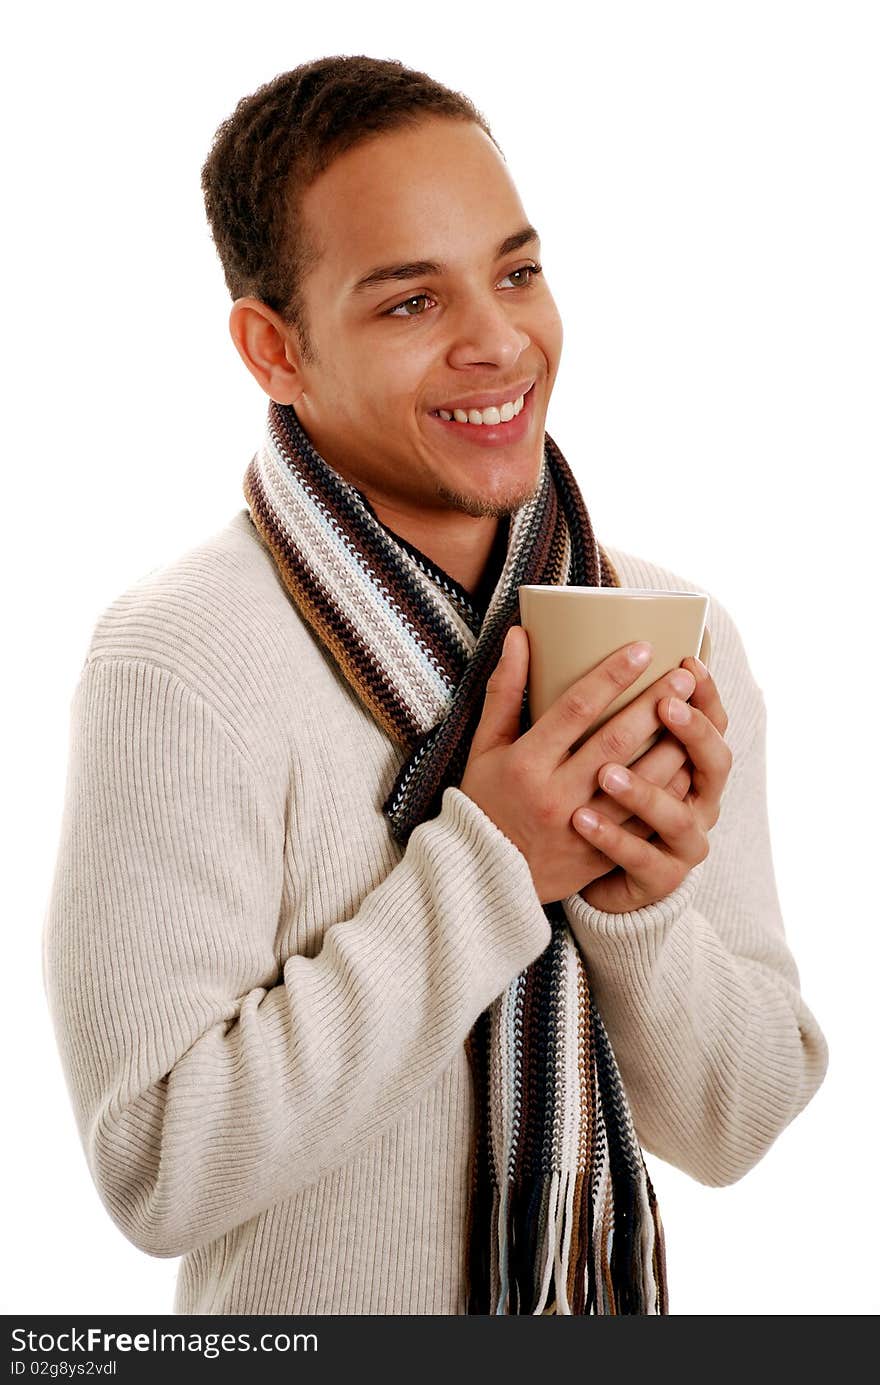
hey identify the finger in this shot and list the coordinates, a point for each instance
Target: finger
(673, 820)
(616, 812)
(706, 695)
(575, 710)
(707, 750)
(666, 764)
(680, 783)
(678, 786)
(499, 723)
(622, 736)
(652, 870)
(661, 762)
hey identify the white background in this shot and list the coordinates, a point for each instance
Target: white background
(704, 179)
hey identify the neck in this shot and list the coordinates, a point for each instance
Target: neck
(463, 545)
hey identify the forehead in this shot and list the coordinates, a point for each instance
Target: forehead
(440, 190)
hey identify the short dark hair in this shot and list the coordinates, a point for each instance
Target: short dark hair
(276, 143)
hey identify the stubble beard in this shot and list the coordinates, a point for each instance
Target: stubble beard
(481, 507)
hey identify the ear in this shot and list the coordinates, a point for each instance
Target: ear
(268, 348)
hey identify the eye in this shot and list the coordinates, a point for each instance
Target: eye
(532, 270)
(393, 312)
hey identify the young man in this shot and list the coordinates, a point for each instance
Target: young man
(356, 1014)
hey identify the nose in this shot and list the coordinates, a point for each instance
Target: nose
(485, 333)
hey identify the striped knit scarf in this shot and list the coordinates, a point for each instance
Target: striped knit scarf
(562, 1216)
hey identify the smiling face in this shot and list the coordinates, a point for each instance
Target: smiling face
(391, 352)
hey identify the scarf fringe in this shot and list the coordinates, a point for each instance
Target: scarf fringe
(530, 1271)
(541, 1254)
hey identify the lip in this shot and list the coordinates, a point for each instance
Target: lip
(491, 434)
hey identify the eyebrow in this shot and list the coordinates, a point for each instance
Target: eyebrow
(416, 268)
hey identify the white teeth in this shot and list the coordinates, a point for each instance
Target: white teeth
(489, 416)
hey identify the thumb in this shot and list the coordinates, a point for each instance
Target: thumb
(500, 721)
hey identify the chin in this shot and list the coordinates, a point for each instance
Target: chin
(495, 506)
(483, 506)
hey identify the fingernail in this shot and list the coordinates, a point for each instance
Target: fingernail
(586, 819)
(679, 711)
(639, 653)
(701, 667)
(683, 682)
(506, 640)
(615, 778)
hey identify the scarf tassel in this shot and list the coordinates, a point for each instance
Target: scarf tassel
(541, 1254)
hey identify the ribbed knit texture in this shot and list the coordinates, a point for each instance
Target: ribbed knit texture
(261, 1001)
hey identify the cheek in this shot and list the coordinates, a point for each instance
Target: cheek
(387, 411)
(547, 329)
(397, 378)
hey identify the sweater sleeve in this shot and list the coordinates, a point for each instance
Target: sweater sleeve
(701, 999)
(209, 1076)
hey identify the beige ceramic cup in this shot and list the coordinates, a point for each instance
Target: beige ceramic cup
(572, 629)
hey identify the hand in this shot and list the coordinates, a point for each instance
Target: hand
(667, 762)
(649, 871)
(530, 785)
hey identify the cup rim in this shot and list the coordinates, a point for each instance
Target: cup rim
(608, 591)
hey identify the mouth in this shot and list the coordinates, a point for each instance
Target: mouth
(490, 434)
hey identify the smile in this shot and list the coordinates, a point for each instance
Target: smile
(492, 415)
(489, 427)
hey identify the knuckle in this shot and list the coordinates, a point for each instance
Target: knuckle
(620, 673)
(637, 827)
(495, 681)
(683, 818)
(680, 783)
(518, 770)
(645, 856)
(616, 742)
(577, 705)
(674, 877)
(523, 773)
(716, 714)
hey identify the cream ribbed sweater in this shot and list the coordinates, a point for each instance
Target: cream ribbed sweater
(261, 1002)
